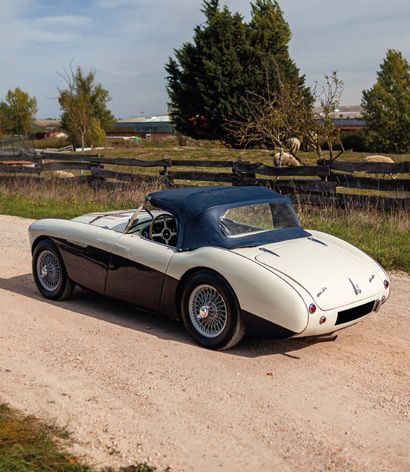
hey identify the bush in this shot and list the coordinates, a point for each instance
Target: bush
(354, 141)
(54, 143)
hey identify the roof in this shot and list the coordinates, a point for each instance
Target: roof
(191, 201)
(198, 210)
(349, 122)
(146, 119)
(47, 123)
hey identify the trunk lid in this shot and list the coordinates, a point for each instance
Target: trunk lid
(332, 275)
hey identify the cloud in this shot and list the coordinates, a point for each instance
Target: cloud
(56, 22)
(127, 43)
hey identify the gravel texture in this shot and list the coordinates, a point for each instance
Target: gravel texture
(133, 387)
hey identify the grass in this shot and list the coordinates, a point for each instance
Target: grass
(51, 199)
(383, 235)
(205, 150)
(30, 445)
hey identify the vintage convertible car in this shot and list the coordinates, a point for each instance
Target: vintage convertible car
(224, 260)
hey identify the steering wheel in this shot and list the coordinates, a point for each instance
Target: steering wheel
(162, 228)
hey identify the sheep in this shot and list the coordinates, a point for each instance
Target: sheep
(376, 158)
(61, 174)
(383, 159)
(287, 160)
(293, 144)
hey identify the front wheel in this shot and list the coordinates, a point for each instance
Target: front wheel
(49, 272)
(210, 311)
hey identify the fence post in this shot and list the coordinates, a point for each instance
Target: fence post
(242, 173)
(165, 173)
(323, 162)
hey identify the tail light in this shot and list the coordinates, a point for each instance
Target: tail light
(386, 284)
(312, 308)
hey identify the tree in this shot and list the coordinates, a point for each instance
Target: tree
(387, 106)
(209, 77)
(3, 119)
(85, 114)
(285, 112)
(17, 112)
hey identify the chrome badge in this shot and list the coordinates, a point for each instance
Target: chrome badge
(356, 288)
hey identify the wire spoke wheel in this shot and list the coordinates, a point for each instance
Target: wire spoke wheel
(208, 311)
(49, 271)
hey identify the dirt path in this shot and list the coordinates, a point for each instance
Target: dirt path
(133, 387)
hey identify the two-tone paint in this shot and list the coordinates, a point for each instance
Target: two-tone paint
(275, 284)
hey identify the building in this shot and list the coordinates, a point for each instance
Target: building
(154, 127)
(348, 118)
(47, 128)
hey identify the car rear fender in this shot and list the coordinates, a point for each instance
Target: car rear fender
(259, 291)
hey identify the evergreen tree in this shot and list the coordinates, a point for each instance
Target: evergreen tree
(387, 106)
(210, 77)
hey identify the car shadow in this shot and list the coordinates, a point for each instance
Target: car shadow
(106, 309)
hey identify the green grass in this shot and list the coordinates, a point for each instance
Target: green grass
(383, 235)
(36, 208)
(51, 199)
(29, 445)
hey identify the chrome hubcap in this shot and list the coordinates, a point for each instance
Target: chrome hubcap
(204, 311)
(48, 270)
(207, 310)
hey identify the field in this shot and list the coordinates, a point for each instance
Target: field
(384, 235)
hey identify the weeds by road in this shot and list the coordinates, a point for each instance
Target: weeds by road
(29, 445)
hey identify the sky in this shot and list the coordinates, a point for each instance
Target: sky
(127, 43)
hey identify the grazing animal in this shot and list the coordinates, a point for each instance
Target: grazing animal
(287, 160)
(383, 159)
(61, 174)
(293, 144)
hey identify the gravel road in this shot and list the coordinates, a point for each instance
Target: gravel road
(133, 387)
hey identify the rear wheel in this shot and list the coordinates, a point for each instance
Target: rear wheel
(49, 272)
(210, 311)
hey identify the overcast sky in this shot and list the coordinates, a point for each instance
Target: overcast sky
(127, 43)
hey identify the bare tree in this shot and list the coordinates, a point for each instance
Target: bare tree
(276, 117)
(324, 130)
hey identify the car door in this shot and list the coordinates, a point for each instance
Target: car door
(137, 271)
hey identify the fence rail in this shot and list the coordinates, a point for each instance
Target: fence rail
(327, 182)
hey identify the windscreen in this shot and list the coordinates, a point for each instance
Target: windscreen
(250, 219)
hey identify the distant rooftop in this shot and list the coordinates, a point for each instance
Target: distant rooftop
(47, 123)
(146, 119)
(347, 111)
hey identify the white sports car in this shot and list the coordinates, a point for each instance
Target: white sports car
(224, 260)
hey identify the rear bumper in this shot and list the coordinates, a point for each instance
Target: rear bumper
(329, 321)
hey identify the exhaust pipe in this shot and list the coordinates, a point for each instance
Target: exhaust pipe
(322, 338)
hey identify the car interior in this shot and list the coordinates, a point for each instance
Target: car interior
(159, 226)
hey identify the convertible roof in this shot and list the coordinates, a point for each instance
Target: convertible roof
(191, 201)
(198, 209)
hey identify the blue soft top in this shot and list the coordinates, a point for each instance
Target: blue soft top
(198, 209)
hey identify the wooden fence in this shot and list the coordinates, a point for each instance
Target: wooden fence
(327, 182)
